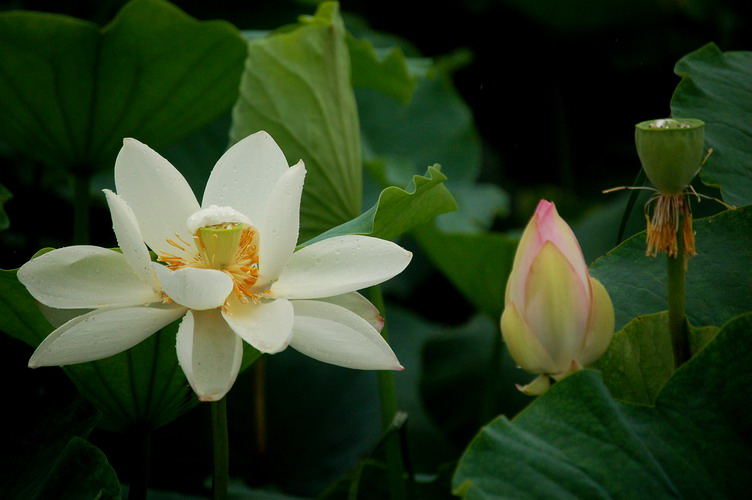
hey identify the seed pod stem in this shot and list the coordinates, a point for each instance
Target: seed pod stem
(676, 277)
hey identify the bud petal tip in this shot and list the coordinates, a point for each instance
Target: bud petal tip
(537, 387)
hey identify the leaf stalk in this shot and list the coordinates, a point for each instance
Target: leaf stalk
(389, 408)
(677, 319)
(220, 448)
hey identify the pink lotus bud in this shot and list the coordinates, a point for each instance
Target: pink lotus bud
(557, 318)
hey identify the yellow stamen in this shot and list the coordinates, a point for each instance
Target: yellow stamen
(230, 247)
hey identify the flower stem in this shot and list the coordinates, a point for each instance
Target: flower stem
(220, 469)
(677, 320)
(261, 473)
(388, 395)
(81, 184)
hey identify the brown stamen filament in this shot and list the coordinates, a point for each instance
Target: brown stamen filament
(663, 226)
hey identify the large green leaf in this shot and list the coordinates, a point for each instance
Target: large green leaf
(577, 442)
(143, 386)
(81, 471)
(718, 286)
(377, 60)
(297, 87)
(46, 456)
(19, 313)
(70, 91)
(640, 360)
(715, 88)
(399, 210)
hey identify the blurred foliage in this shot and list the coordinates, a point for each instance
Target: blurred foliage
(5, 195)
(70, 92)
(48, 456)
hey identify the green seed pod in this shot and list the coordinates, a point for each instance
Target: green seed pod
(670, 151)
(220, 243)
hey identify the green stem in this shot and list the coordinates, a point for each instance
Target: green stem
(389, 408)
(81, 184)
(261, 473)
(677, 320)
(139, 480)
(220, 469)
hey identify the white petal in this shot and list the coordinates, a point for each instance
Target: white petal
(193, 287)
(209, 353)
(279, 228)
(157, 193)
(266, 326)
(332, 334)
(355, 302)
(339, 265)
(102, 333)
(84, 277)
(129, 239)
(58, 317)
(245, 175)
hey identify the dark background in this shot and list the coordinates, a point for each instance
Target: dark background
(555, 87)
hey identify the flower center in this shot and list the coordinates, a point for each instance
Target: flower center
(230, 247)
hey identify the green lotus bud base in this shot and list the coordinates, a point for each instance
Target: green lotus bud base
(537, 387)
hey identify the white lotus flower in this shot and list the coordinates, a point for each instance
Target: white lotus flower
(227, 267)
